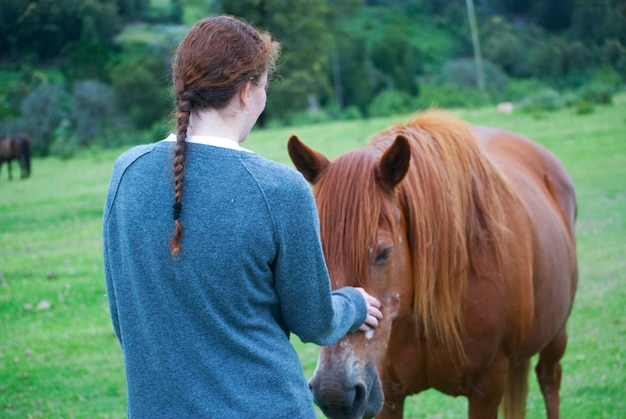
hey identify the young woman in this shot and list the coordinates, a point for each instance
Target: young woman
(212, 253)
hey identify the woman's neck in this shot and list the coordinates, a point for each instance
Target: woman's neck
(213, 123)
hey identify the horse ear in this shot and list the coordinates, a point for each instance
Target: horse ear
(394, 163)
(307, 161)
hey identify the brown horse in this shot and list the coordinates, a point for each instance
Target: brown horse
(16, 147)
(466, 235)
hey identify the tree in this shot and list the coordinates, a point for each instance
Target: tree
(142, 88)
(554, 15)
(306, 41)
(132, 10)
(377, 52)
(44, 30)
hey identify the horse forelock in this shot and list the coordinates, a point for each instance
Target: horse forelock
(351, 207)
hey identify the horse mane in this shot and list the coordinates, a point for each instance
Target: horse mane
(451, 199)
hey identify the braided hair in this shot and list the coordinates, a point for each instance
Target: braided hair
(213, 62)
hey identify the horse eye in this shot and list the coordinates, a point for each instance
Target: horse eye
(383, 255)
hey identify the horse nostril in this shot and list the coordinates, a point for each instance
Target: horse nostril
(359, 397)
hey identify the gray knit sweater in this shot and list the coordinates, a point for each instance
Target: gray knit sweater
(208, 335)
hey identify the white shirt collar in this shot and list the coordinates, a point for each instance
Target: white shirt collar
(213, 141)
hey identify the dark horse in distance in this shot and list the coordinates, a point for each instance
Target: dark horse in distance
(16, 147)
(466, 236)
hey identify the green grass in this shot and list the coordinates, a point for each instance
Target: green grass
(64, 362)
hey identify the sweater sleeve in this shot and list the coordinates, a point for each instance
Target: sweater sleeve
(121, 164)
(309, 308)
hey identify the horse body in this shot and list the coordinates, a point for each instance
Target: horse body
(467, 238)
(546, 190)
(16, 147)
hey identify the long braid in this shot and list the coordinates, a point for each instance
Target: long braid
(182, 122)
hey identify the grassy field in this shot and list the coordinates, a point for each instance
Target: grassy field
(60, 359)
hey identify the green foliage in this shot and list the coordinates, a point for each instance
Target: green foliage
(441, 94)
(176, 12)
(604, 85)
(544, 100)
(609, 77)
(42, 111)
(87, 61)
(462, 73)
(132, 9)
(554, 15)
(64, 145)
(16, 85)
(556, 58)
(583, 107)
(596, 92)
(344, 54)
(558, 41)
(305, 43)
(506, 47)
(381, 48)
(194, 10)
(91, 111)
(351, 113)
(142, 88)
(598, 20)
(44, 30)
(518, 89)
(137, 37)
(355, 75)
(397, 61)
(61, 122)
(614, 54)
(390, 102)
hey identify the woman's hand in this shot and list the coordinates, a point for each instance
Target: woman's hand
(374, 315)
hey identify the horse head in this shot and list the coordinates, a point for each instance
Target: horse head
(363, 231)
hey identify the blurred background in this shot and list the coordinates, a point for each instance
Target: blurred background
(88, 73)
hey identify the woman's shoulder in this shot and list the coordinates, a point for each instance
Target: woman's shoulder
(271, 173)
(131, 155)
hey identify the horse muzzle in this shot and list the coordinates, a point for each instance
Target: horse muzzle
(352, 395)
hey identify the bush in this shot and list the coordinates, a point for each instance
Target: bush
(462, 73)
(446, 95)
(544, 100)
(603, 85)
(390, 102)
(42, 112)
(352, 113)
(583, 107)
(596, 92)
(64, 144)
(142, 89)
(92, 106)
(519, 89)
